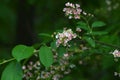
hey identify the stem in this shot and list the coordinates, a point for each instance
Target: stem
(90, 28)
(107, 44)
(7, 61)
(36, 51)
(86, 22)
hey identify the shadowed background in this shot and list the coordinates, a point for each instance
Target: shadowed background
(22, 20)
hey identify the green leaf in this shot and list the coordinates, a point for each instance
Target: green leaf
(53, 45)
(90, 41)
(82, 25)
(98, 24)
(46, 56)
(61, 51)
(45, 37)
(99, 33)
(13, 71)
(21, 52)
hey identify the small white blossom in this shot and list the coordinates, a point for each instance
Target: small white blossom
(72, 65)
(66, 55)
(108, 2)
(84, 13)
(115, 73)
(116, 53)
(23, 67)
(70, 17)
(77, 5)
(56, 77)
(67, 4)
(78, 29)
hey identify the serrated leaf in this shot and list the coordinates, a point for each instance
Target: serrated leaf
(98, 24)
(82, 25)
(46, 56)
(21, 52)
(13, 71)
(90, 41)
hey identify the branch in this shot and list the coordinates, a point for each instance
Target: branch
(5, 61)
(107, 44)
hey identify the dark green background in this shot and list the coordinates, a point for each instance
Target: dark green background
(22, 20)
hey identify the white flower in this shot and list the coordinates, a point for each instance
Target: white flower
(78, 29)
(84, 13)
(116, 53)
(23, 67)
(108, 2)
(66, 55)
(67, 4)
(72, 65)
(56, 77)
(70, 17)
(77, 5)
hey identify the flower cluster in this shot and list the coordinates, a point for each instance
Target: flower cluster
(31, 69)
(111, 5)
(72, 10)
(64, 37)
(116, 74)
(116, 53)
(61, 67)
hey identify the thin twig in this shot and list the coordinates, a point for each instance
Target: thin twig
(111, 45)
(5, 61)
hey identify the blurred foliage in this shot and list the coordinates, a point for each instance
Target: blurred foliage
(48, 17)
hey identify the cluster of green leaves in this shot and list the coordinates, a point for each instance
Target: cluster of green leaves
(89, 34)
(22, 52)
